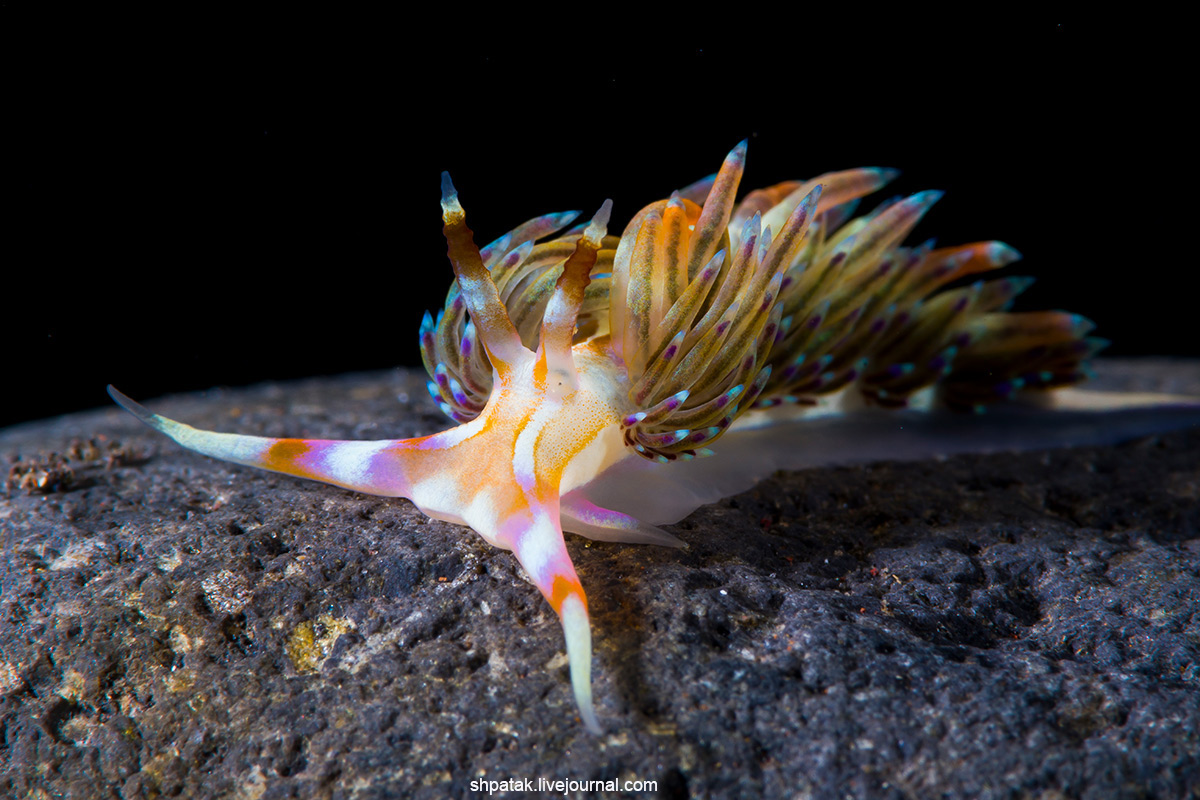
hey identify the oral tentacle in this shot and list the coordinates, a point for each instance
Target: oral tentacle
(537, 541)
(578, 633)
(380, 467)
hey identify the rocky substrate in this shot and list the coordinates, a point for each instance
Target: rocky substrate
(1013, 625)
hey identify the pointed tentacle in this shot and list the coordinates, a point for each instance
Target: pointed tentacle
(581, 516)
(555, 362)
(776, 202)
(495, 329)
(697, 191)
(374, 467)
(538, 544)
(714, 219)
(528, 231)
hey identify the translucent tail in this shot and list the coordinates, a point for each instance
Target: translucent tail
(660, 494)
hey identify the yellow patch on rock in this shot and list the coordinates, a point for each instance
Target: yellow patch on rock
(310, 644)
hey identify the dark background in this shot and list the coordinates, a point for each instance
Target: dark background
(209, 200)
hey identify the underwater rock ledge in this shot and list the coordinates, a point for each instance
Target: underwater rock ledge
(973, 627)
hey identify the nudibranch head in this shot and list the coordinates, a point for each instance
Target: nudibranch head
(568, 357)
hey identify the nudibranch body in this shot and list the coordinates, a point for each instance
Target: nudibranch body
(591, 374)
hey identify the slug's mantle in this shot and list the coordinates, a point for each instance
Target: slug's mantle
(593, 375)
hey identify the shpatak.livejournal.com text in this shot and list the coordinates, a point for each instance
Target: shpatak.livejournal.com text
(557, 786)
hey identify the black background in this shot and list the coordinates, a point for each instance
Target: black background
(220, 200)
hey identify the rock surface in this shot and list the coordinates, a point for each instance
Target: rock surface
(1017, 625)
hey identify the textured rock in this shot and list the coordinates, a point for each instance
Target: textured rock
(1004, 626)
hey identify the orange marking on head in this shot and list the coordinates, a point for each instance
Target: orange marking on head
(563, 588)
(540, 369)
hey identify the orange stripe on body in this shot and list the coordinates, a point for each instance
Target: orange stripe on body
(540, 370)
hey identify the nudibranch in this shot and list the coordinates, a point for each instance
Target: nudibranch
(591, 375)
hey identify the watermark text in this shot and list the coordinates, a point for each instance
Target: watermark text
(560, 786)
